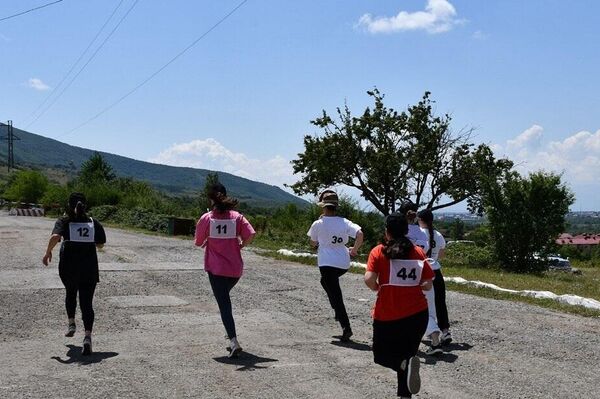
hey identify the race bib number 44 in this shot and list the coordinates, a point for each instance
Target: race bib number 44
(223, 228)
(405, 272)
(81, 232)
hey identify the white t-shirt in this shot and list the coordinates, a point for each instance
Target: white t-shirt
(418, 236)
(439, 243)
(332, 234)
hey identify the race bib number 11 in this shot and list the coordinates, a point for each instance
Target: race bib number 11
(405, 272)
(81, 232)
(223, 228)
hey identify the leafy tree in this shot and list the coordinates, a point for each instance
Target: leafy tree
(96, 170)
(457, 229)
(27, 186)
(526, 214)
(392, 156)
(56, 196)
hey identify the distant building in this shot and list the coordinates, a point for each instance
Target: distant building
(583, 242)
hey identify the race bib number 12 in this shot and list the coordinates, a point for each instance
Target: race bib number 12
(405, 272)
(81, 232)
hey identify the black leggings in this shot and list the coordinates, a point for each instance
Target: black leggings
(440, 300)
(330, 280)
(221, 286)
(86, 297)
(397, 341)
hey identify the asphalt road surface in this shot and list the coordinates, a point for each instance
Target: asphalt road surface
(158, 333)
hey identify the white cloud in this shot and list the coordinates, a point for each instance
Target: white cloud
(212, 155)
(439, 16)
(577, 156)
(37, 84)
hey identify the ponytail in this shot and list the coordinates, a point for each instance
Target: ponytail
(221, 202)
(399, 246)
(77, 207)
(427, 217)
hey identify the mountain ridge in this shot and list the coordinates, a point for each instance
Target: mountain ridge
(39, 151)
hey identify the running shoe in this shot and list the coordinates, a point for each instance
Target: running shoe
(234, 348)
(446, 338)
(413, 379)
(346, 334)
(87, 346)
(434, 350)
(71, 331)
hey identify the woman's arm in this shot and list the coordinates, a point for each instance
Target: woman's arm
(371, 280)
(54, 239)
(245, 242)
(358, 242)
(441, 253)
(426, 285)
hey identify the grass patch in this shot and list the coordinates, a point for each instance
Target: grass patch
(545, 303)
(585, 285)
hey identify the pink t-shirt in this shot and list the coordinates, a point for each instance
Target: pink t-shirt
(220, 234)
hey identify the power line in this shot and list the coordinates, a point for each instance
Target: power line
(75, 63)
(159, 70)
(84, 65)
(33, 9)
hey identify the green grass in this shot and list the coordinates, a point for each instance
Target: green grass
(586, 284)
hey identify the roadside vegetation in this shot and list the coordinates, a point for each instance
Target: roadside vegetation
(389, 156)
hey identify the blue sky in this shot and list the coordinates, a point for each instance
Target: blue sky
(524, 74)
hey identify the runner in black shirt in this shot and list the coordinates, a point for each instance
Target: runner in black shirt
(78, 264)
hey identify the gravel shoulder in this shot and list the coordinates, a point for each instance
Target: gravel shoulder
(158, 333)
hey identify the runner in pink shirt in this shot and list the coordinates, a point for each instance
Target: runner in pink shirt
(222, 233)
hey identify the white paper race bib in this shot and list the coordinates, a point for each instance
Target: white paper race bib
(81, 232)
(223, 228)
(405, 272)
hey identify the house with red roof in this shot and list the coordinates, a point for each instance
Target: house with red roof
(584, 242)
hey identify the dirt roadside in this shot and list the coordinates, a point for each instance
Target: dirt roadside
(158, 333)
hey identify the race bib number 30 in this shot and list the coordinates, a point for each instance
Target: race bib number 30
(223, 228)
(405, 273)
(81, 232)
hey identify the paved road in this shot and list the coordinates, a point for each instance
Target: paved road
(158, 333)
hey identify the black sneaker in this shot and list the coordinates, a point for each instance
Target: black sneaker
(71, 331)
(413, 379)
(346, 334)
(446, 338)
(87, 346)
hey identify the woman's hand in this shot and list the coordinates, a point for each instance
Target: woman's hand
(47, 258)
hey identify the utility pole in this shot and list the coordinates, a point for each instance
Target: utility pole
(10, 137)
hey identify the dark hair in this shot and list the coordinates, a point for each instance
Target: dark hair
(399, 246)
(427, 216)
(218, 194)
(77, 207)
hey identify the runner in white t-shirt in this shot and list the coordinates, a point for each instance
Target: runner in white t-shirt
(420, 237)
(438, 244)
(330, 234)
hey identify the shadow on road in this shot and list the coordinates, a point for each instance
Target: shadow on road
(359, 346)
(247, 360)
(447, 356)
(74, 356)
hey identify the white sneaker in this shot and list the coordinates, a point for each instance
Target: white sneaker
(413, 379)
(234, 348)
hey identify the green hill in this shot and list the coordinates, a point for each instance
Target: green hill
(42, 152)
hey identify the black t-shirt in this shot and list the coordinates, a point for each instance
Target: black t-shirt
(78, 258)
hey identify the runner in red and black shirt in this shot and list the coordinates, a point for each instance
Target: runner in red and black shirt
(398, 271)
